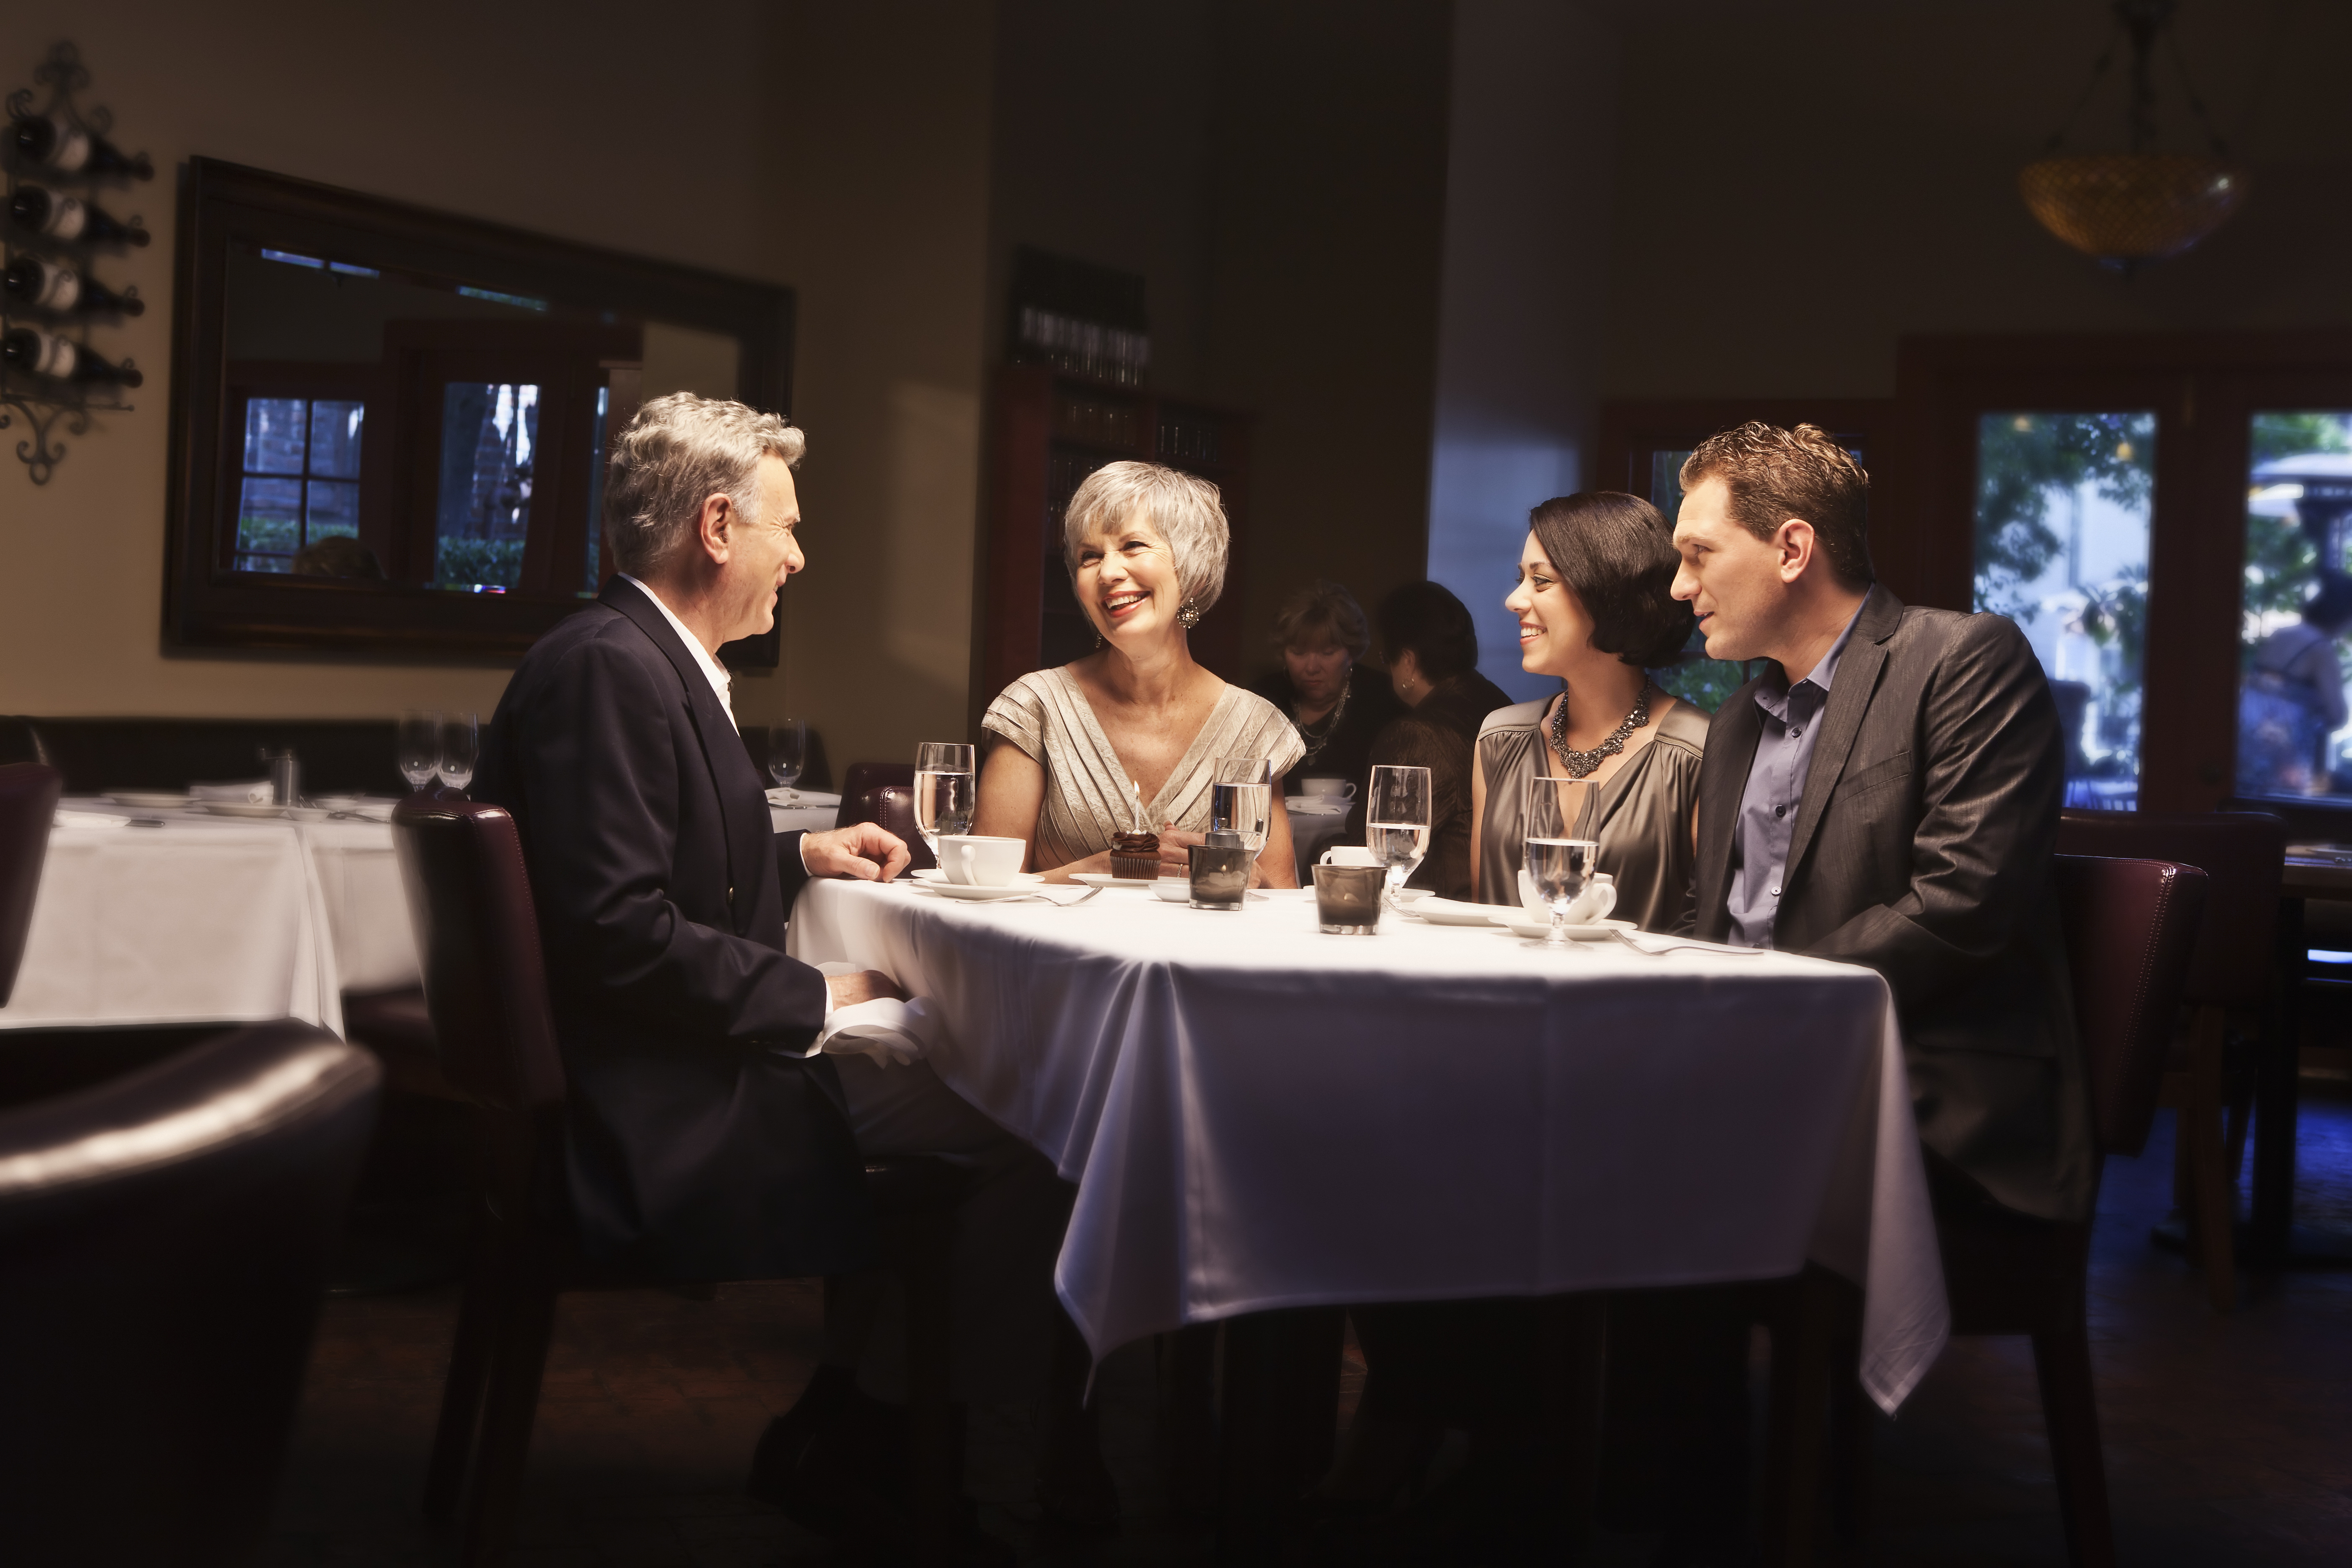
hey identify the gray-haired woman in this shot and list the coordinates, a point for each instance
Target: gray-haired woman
(1145, 547)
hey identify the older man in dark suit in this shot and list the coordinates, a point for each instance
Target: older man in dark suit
(704, 1143)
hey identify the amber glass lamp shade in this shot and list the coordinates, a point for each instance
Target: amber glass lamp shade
(2128, 207)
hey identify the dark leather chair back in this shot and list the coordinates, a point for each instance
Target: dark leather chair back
(884, 793)
(2242, 854)
(2130, 928)
(478, 934)
(28, 801)
(165, 1238)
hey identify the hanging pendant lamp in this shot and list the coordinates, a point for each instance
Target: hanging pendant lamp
(2126, 208)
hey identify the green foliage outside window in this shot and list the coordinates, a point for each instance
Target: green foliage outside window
(470, 563)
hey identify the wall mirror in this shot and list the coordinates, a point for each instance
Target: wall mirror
(389, 424)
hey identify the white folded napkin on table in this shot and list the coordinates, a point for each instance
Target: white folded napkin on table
(88, 819)
(891, 1032)
(801, 797)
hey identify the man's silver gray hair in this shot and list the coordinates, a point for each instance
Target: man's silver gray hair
(1181, 509)
(678, 450)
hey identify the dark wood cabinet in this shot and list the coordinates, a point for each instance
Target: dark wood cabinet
(1049, 430)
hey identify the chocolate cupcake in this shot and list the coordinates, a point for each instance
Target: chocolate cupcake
(1135, 855)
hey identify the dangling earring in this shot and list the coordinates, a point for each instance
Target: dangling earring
(1189, 616)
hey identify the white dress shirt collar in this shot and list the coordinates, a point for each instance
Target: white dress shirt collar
(712, 670)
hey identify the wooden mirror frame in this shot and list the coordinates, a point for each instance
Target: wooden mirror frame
(207, 605)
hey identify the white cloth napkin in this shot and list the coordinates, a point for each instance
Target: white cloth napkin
(84, 819)
(254, 790)
(891, 1032)
(801, 797)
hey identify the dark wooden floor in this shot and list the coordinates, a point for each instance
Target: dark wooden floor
(2229, 1439)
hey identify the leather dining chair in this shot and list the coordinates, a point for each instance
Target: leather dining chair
(28, 801)
(2231, 978)
(2130, 928)
(485, 984)
(884, 793)
(164, 1238)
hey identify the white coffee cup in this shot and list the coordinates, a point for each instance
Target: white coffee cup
(1327, 789)
(1600, 895)
(1349, 855)
(979, 860)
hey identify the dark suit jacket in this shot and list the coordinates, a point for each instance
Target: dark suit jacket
(1923, 849)
(700, 1147)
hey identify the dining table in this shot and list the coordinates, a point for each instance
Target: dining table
(152, 915)
(1257, 1116)
(2313, 870)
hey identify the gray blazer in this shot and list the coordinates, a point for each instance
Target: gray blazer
(1922, 849)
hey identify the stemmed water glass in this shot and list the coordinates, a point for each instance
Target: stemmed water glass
(787, 754)
(1241, 798)
(945, 792)
(1396, 822)
(1557, 867)
(460, 749)
(418, 751)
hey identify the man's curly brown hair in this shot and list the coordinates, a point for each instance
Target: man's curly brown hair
(1774, 475)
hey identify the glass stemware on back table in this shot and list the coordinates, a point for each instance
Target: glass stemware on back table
(787, 744)
(461, 747)
(418, 751)
(1397, 821)
(945, 791)
(1558, 866)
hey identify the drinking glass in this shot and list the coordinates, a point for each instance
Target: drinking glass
(418, 750)
(945, 795)
(1396, 822)
(1558, 866)
(1241, 798)
(787, 753)
(461, 747)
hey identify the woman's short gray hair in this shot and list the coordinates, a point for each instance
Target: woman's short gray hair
(678, 450)
(1182, 510)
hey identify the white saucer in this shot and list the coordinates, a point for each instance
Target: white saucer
(978, 895)
(147, 799)
(1539, 930)
(1104, 880)
(936, 877)
(1447, 912)
(1316, 805)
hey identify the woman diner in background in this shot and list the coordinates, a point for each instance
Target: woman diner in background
(1594, 610)
(1338, 703)
(1146, 548)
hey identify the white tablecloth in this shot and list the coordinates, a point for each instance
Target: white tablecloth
(1258, 1116)
(209, 920)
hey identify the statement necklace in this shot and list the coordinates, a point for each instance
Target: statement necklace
(1579, 763)
(1315, 742)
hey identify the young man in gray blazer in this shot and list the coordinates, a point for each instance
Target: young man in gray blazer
(1886, 794)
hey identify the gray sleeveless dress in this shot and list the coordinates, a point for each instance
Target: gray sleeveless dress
(1045, 713)
(1641, 817)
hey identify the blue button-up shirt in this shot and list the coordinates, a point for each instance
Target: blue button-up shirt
(1776, 786)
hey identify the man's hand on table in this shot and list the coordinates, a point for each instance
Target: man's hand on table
(865, 985)
(862, 849)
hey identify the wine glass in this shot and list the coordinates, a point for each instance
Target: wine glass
(945, 795)
(1557, 867)
(1396, 822)
(787, 754)
(1241, 798)
(461, 748)
(418, 750)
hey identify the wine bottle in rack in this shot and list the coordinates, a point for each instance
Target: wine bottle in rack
(47, 285)
(55, 142)
(60, 217)
(36, 353)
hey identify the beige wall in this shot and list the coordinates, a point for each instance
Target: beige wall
(1801, 184)
(817, 146)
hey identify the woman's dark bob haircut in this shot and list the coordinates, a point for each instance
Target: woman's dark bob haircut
(1618, 555)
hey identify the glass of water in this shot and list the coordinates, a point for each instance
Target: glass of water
(787, 753)
(945, 791)
(1241, 798)
(461, 750)
(1559, 866)
(418, 751)
(1396, 822)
